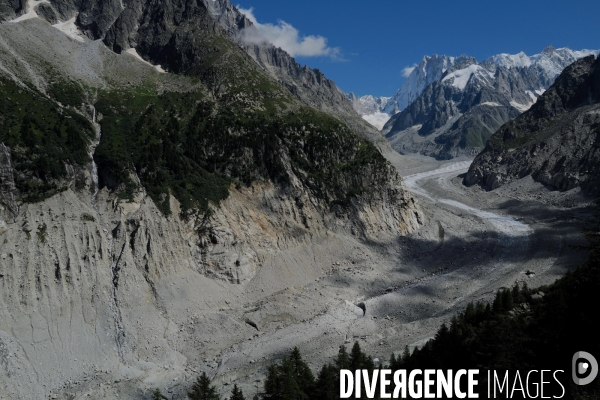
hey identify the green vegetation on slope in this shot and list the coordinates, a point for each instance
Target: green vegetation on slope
(185, 144)
(43, 139)
(194, 148)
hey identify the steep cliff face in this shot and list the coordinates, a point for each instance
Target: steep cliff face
(138, 205)
(450, 120)
(309, 85)
(556, 141)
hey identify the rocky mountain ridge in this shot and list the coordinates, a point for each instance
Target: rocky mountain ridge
(159, 33)
(430, 69)
(547, 65)
(457, 114)
(555, 141)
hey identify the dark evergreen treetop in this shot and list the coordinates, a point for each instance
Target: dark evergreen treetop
(202, 390)
(236, 393)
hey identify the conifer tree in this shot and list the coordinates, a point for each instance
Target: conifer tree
(488, 310)
(507, 300)
(202, 390)
(302, 373)
(405, 355)
(393, 362)
(516, 294)
(327, 385)
(272, 383)
(343, 360)
(281, 383)
(236, 393)
(497, 306)
(356, 357)
(479, 310)
(525, 292)
(469, 312)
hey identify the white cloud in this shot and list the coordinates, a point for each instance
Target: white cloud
(248, 12)
(288, 38)
(408, 70)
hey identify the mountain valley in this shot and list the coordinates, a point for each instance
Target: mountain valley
(176, 199)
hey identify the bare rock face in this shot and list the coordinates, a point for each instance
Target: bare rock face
(276, 220)
(556, 141)
(46, 12)
(456, 114)
(11, 8)
(103, 290)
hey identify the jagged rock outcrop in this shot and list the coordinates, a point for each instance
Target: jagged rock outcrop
(556, 141)
(453, 116)
(466, 102)
(430, 69)
(365, 105)
(311, 86)
(11, 8)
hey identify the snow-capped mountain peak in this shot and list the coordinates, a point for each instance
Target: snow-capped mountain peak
(550, 62)
(429, 70)
(519, 60)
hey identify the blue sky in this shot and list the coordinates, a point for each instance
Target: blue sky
(364, 45)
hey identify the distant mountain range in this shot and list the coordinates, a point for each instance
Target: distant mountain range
(557, 141)
(451, 105)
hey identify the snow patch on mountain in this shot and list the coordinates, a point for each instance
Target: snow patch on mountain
(508, 61)
(534, 74)
(551, 62)
(70, 29)
(491, 104)
(522, 107)
(370, 108)
(461, 77)
(377, 119)
(134, 53)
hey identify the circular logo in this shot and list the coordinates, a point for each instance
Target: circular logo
(585, 368)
